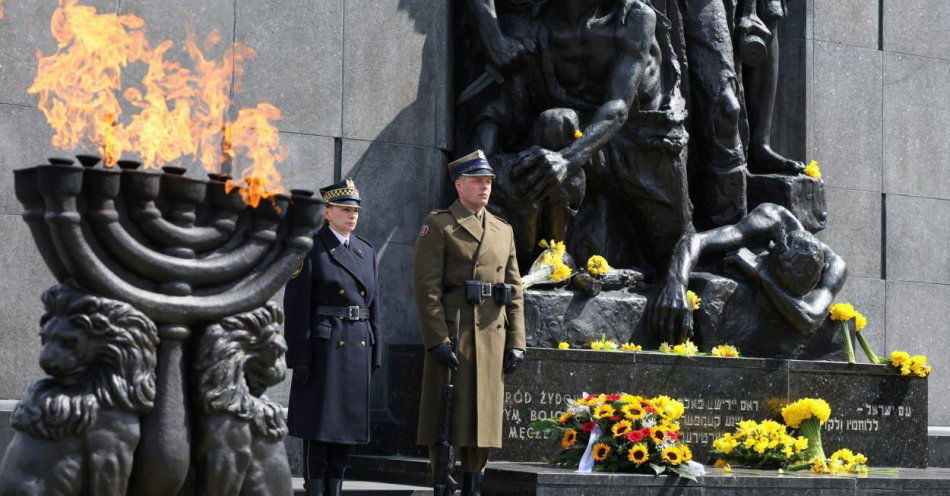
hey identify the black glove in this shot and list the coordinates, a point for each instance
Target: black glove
(301, 375)
(444, 354)
(513, 359)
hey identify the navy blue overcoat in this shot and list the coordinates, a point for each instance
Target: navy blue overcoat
(334, 405)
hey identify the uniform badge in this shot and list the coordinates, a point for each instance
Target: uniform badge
(424, 230)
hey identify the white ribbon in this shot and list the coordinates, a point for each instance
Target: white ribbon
(587, 461)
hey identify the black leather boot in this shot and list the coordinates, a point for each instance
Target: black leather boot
(314, 487)
(334, 487)
(471, 484)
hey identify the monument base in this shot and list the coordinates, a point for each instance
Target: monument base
(512, 479)
(875, 410)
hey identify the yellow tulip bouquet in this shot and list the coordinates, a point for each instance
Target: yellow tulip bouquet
(550, 266)
(844, 313)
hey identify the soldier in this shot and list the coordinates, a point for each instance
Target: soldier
(464, 264)
(333, 337)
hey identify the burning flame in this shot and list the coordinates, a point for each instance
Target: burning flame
(177, 111)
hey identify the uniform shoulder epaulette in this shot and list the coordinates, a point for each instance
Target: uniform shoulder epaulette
(363, 240)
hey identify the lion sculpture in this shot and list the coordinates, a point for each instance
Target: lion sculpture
(240, 449)
(77, 431)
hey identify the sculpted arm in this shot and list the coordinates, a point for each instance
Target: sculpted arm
(428, 264)
(622, 90)
(670, 315)
(502, 49)
(808, 312)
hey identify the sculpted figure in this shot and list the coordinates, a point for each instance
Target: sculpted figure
(758, 47)
(77, 431)
(586, 135)
(240, 448)
(783, 293)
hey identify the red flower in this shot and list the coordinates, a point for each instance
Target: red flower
(649, 408)
(589, 426)
(673, 435)
(615, 418)
(612, 398)
(635, 436)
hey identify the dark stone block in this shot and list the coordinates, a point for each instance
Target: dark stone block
(938, 451)
(717, 393)
(802, 195)
(869, 404)
(6, 430)
(555, 316)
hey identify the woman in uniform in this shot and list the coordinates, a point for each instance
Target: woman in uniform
(333, 337)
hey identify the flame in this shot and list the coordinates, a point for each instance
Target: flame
(1, 10)
(255, 137)
(178, 111)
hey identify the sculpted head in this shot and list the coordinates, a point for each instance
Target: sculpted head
(797, 263)
(99, 353)
(240, 357)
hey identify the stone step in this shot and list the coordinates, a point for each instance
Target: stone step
(369, 488)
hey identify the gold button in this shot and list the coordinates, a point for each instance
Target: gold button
(362, 293)
(341, 291)
(341, 344)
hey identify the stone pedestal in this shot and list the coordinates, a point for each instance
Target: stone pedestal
(558, 316)
(802, 195)
(875, 411)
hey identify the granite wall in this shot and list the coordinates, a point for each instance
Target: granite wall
(364, 88)
(864, 93)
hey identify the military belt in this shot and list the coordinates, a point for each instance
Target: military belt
(475, 291)
(346, 313)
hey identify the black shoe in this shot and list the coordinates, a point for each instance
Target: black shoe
(334, 487)
(472, 484)
(314, 487)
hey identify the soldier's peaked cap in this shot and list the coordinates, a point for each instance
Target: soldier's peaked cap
(343, 193)
(473, 164)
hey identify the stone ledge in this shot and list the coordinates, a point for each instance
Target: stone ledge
(531, 479)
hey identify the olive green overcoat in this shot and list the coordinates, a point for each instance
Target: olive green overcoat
(453, 246)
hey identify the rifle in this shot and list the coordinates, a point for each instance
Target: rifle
(444, 483)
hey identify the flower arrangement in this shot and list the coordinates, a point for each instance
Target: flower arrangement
(768, 444)
(908, 365)
(631, 347)
(843, 313)
(604, 344)
(807, 415)
(812, 170)
(563, 345)
(597, 265)
(687, 348)
(694, 299)
(549, 266)
(622, 432)
(725, 351)
(765, 444)
(843, 461)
